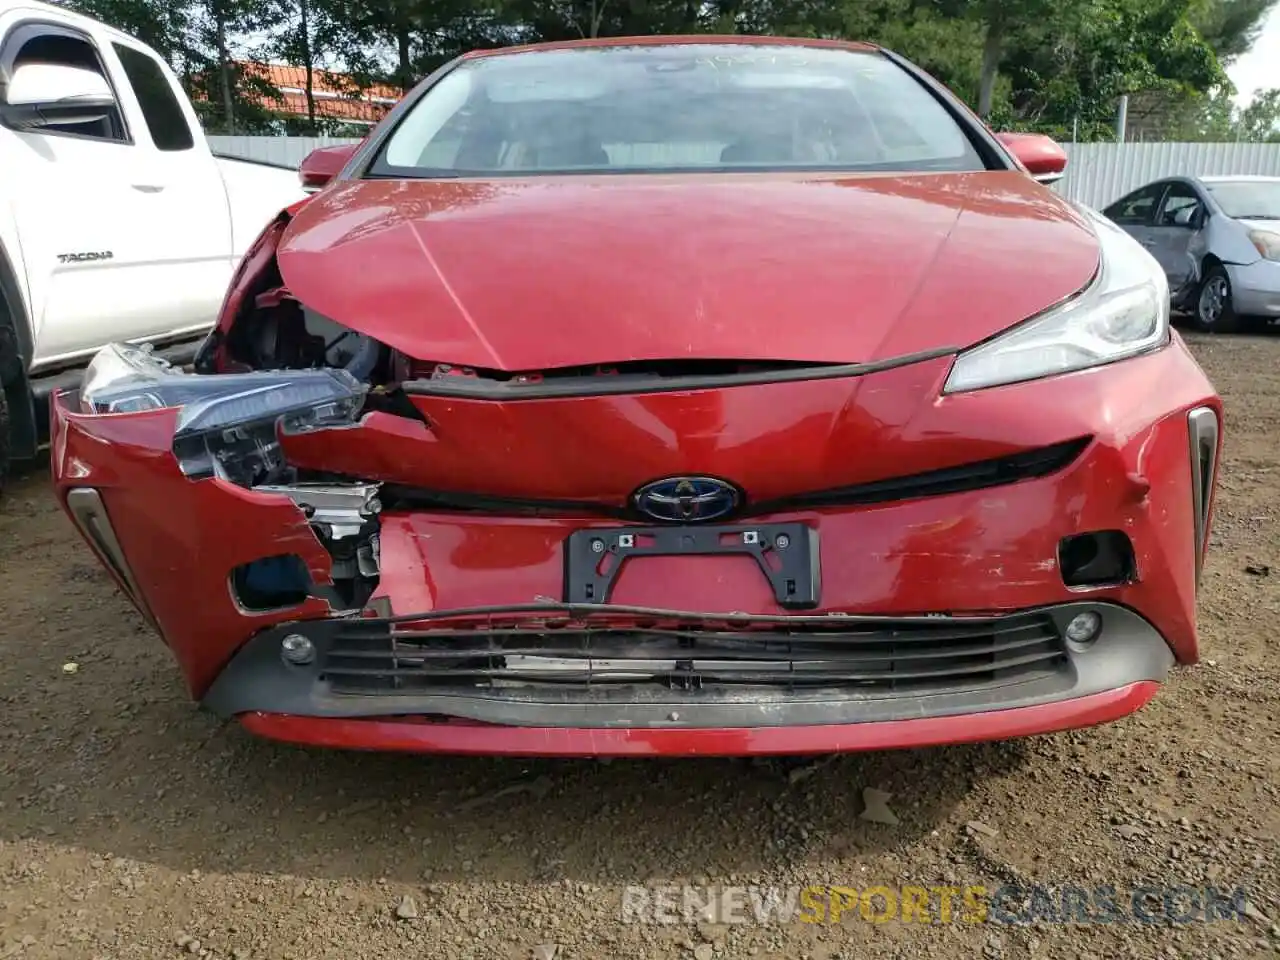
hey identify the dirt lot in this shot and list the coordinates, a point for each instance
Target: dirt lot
(131, 824)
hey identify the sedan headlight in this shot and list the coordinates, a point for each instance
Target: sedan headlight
(227, 423)
(1123, 312)
(1266, 243)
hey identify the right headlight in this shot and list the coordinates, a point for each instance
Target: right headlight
(227, 425)
(1123, 312)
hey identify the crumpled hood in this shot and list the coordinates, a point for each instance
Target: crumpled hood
(544, 272)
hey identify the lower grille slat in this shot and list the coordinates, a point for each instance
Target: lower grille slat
(916, 635)
(797, 651)
(900, 656)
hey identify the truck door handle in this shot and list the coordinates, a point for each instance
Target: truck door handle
(1148, 243)
(148, 187)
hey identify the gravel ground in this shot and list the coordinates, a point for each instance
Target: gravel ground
(132, 825)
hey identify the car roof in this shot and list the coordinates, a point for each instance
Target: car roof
(1227, 177)
(686, 39)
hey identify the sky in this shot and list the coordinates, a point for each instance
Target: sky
(1259, 69)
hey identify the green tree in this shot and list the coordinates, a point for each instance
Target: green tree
(1025, 64)
(164, 25)
(1230, 27)
(1260, 120)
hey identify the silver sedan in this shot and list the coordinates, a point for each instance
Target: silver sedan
(1218, 239)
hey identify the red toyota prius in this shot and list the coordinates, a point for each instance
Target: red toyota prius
(666, 396)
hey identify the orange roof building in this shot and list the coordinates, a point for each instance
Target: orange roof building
(333, 94)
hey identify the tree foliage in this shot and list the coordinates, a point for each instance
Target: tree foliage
(1023, 64)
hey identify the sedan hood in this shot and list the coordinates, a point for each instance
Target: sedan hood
(547, 272)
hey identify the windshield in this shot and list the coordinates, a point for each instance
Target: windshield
(676, 107)
(1247, 199)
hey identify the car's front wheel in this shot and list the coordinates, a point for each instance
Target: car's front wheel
(4, 439)
(1214, 311)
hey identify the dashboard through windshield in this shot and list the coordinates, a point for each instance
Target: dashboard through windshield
(675, 107)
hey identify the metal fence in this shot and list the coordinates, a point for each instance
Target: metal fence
(1097, 173)
(287, 151)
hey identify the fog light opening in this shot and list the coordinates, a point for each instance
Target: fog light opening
(272, 583)
(1102, 558)
(1083, 628)
(297, 649)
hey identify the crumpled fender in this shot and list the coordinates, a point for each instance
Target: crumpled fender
(181, 537)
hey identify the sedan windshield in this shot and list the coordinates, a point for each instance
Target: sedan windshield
(1247, 199)
(676, 107)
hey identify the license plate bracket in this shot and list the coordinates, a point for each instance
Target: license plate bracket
(786, 553)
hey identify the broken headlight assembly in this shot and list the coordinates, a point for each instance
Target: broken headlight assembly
(228, 425)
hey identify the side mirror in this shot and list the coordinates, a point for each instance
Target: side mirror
(321, 165)
(41, 94)
(1040, 156)
(1187, 217)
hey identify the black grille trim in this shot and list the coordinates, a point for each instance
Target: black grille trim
(888, 656)
(981, 474)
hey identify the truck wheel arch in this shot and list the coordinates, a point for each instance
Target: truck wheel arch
(16, 346)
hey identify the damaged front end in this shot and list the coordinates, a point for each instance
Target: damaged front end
(327, 527)
(180, 483)
(229, 428)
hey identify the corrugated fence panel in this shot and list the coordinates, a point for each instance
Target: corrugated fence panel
(1097, 173)
(285, 151)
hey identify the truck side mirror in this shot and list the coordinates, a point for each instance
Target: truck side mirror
(42, 94)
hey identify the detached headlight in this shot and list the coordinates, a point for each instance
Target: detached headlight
(1123, 312)
(227, 423)
(1266, 243)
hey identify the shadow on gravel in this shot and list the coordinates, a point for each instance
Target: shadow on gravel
(1183, 323)
(115, 760)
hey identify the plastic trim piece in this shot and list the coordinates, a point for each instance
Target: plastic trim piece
(962, 478)
(257, 679)
(595, 556)
(1202, 432)
(483, 388)
(87, 511)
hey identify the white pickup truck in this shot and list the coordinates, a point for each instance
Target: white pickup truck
(116, 220)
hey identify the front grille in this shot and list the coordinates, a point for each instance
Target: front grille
(374, 657)
(979, 475)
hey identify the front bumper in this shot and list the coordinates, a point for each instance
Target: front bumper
(991, 553)
(1255, 288)
(877, 670)
(496, 740)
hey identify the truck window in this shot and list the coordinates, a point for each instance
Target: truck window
(66, 50)
(160, 108)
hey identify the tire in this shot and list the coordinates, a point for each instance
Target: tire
(1212, 310)
(4, 439)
